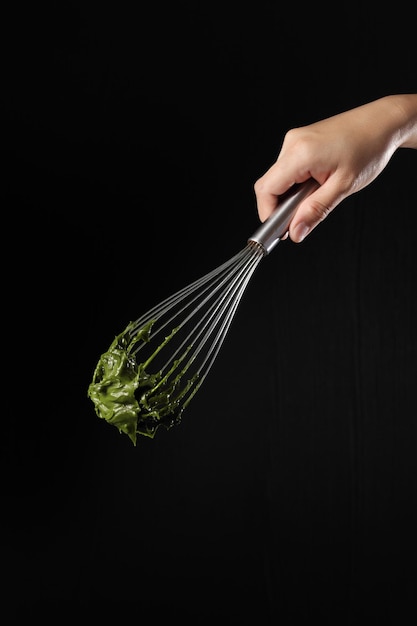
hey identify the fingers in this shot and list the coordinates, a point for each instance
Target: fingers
(313, 210)
(266, 197)
(270, 186)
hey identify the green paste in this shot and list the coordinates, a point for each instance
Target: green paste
(125, 395)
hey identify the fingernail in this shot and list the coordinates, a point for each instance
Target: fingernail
(300, 232)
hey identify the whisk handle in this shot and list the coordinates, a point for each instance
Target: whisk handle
(275, 227)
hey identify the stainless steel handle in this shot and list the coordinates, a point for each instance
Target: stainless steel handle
(277, 224)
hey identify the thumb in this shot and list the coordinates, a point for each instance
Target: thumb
(313, 210)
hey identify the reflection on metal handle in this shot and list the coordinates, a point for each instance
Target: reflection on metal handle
(275, 227)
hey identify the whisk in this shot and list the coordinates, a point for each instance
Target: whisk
(154, 368)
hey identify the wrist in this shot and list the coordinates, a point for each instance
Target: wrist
(403, 111)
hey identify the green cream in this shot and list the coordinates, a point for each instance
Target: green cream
(125, 395)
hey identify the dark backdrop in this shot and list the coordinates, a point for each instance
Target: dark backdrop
(288, 493)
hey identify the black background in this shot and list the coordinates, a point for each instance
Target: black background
(132, 141)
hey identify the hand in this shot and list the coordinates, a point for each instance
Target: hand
(344, 153)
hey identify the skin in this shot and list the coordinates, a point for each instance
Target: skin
(344, 153)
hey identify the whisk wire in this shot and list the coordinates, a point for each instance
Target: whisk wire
(180, 296)
(212, 301)
(225, 290)
(223, 311)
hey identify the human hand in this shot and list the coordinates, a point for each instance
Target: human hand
(344, 153)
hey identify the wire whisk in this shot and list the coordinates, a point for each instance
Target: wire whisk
(154, 368)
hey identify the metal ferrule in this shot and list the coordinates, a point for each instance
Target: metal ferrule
(277, 225)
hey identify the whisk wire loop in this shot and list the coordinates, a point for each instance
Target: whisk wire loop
(197, 318)
(210, 299)
(216, 322)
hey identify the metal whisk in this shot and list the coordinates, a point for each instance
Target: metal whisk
(156, 365)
